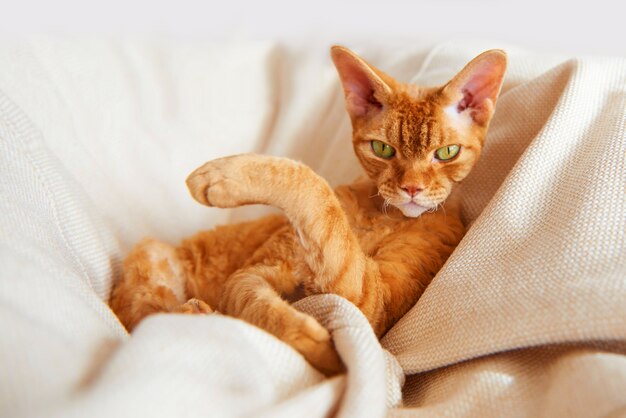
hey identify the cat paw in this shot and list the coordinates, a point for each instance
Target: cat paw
(314, 342)
(194, 306)
(221, 182)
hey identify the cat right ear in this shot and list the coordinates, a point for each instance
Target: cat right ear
(476, 88)
(364, 88)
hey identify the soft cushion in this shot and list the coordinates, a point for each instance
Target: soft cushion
(96, 138)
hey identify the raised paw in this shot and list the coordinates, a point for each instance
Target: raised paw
(224, 182)
(247, 179)
(314, 342)
(194, 306)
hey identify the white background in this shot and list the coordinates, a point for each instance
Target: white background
(592, 27)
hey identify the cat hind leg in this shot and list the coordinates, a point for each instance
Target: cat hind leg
(153, 281)
(246, 178)
(193, 306)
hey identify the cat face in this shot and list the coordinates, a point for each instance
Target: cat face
(415, 143)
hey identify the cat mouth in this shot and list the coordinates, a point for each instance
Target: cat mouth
(411, 209)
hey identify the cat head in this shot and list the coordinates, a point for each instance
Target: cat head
(416, 142)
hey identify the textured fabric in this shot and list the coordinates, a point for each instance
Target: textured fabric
(527, 318)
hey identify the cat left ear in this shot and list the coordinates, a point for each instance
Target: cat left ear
(476, 88)
(365, 87)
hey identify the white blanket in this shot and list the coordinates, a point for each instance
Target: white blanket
(527, 318)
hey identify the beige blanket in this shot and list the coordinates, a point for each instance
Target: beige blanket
(527, 318)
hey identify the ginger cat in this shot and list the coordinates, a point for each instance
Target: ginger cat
(377, 242)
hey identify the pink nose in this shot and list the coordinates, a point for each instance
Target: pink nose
(411, 189)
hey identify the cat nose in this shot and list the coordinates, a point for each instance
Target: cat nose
(411, 189)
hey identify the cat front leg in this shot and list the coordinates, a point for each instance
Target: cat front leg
(330, 247)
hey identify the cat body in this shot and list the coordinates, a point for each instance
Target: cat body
(377, 242)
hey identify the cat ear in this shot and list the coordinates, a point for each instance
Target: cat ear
(363, 85)
(476, 88)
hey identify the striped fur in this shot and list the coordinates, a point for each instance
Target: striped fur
(354, 241)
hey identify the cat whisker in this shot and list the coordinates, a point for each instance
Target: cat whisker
(433, 209)
(386, 203)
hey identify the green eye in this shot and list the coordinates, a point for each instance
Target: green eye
(447, 153)
(383, 150)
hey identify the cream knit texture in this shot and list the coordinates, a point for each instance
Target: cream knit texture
(527, 318)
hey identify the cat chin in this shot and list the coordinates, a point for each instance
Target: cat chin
(411, 210)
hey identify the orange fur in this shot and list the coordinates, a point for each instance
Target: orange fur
(354, 241)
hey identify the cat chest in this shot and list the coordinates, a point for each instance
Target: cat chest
(371, 234)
